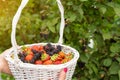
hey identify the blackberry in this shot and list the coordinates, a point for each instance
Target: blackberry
(22, 59)
(32, 61)
(51, 48)
(55, 51)
(45, 48)
(34, 51)
(59, 47)
(22, 54)
(50, 53)
(49, 45)
(37, 56)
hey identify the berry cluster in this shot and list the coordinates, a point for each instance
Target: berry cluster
(45, 55)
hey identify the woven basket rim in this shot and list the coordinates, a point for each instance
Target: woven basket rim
(28, 65)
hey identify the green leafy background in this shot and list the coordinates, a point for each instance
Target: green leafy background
(84, 20)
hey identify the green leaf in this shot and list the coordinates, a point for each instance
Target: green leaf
(80, 10)
(115, 47)
(93, 66)
(74, 78)
(115, 67)
(118, 59)
(99, 40)
(70, 3)
(84, 58)
(72, 16)
(107, 35)
(115, 6)
(115, 77)
(50, 26)
(119, 74)
(83, 78)
(107, 62)
(102, 9)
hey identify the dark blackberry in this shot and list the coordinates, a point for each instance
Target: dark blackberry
(55, 51)
(45, 48)
(49, 45)
(59, 47)
(34, 51)
(32, 61)
(50, 53)
(37, 56)
(51, 48)
(22, 59)
(22, 55)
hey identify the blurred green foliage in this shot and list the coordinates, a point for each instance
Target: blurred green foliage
(85, 19)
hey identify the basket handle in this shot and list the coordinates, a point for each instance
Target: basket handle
(14, 23)
(62, 25)
(17, 16)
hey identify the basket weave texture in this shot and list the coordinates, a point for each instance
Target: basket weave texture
(27, 71)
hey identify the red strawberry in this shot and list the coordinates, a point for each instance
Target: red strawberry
(38, 62)
(35, 47)
(57, 62)
(30, 53)
(41, 48)
(29, 57)
(45, 57)
(48, 62)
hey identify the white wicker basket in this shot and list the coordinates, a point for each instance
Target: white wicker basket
(27, 71)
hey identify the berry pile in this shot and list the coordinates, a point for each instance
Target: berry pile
(44, 55)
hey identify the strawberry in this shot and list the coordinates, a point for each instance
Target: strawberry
(47, 62)
(45, 57)
(38, 62)
(35, 47)
(30, 53)
(61, 54)
(41, 48)
(29, 57)
(57, 62)
(27, 50)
